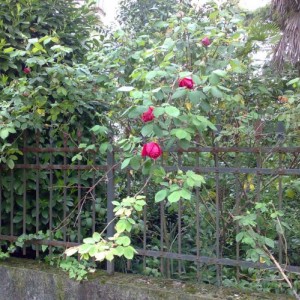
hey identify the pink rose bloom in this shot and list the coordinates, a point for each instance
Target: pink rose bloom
(148, 115)
(152, 150)
(26, 70)
(186, 82)
(206, 41)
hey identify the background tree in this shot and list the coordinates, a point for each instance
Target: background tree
(287, 13)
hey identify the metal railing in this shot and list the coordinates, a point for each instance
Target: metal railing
(79, 191)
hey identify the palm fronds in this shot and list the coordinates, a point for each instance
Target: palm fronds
(287, 12)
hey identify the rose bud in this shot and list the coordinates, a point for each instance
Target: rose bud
(206, 41)
(186, 82)
(152, 150)
(26, 70)
(148, 115)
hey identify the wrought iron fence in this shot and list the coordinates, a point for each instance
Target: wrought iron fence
(192, 235)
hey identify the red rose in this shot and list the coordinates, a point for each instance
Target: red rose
(26, 70)
(206, 41)
(186, 82)
(148, 115)
(152, 150)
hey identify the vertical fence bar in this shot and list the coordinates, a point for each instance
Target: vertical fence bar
(179, 222)
(217, 179)
(162, 207)
(24, 188)
(237, 212)
(65, 143)
(198, 253)
(51, 193)
(80, 206)
(280, 137)
(0, 200)
(110, 199)
(145, 231)
(37, 191)
(11, 202)
(128, 188)
(94, 189)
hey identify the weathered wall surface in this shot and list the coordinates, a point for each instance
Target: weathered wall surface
(29, 280)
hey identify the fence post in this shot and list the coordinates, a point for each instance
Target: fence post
(110, 199)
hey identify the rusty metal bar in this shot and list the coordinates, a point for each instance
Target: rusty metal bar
(24, 189)
(51, 194)
(159, 254)
(145, 231)
(65, 142)
(280, 137)
(128, 189)
(213, 260)
(37, 193)
(217, 179)
(226, 170)
(198, 229)
(94, 189)
(237, 212)
(262, 149)
(203, 170)
(179, 221)
(80, 205)
(0, 202)
(110, 199)
(59, 167)
(217, 149)
(12, 202)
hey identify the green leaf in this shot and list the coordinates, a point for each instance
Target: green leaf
(161, 195)
(181, 134)
(158, 111)
(119, 251)
(174, 197)
(125, 163)
(89, 241)
(85, 248)
(123, 240)
(214, 79)
(172, 111)
(179, 93)
(296, 80)
(125, 89)
(216, 92)
(129, 252)
(109, 256)
(147, 130)
(4, 133)
(220, 73)
(10, 163)
(196, 96)
(96, 237)
(186, 194)
(98, 129)
(121, 226)
(269, 242)
(8, 50)
(135, 162)
(239, 236)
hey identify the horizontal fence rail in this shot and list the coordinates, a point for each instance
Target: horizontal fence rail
(50, 191)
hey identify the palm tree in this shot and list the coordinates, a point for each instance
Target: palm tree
(287, 13)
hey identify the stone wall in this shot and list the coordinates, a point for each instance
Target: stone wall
(23, 279)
